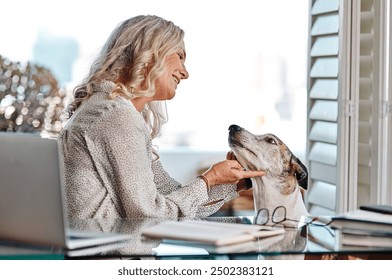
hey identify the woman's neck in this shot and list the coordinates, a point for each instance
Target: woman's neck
(140, 102)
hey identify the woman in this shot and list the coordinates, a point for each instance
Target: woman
(111, 168)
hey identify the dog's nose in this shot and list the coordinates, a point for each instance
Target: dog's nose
(234, 128)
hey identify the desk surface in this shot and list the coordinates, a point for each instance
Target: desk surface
(294, 244)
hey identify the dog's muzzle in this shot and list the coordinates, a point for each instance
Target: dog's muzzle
(234, 128)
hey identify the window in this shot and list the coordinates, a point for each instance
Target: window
(247, 61)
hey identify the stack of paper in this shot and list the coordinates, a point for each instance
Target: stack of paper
(371, 227)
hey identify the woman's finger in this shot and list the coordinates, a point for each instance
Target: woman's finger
(251, 173)
(234, 164)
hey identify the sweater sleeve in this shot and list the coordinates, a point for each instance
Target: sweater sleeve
(217, 195)
(164, 182)
(121, 149)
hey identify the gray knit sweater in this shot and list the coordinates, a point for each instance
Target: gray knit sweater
(110, 169)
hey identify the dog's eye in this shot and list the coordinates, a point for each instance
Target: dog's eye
(270, 140)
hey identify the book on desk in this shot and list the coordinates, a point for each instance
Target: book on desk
(370, 225)
(361, 239)
(364, 220)
(210, 233)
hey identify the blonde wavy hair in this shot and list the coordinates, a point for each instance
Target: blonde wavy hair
(132, 58)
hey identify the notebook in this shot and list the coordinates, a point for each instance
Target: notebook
(31, 196)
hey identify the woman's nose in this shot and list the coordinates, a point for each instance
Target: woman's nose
(184, 73)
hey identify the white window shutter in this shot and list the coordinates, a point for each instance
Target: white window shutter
(386, 191)
(323, 91)
(368, 168)
(349, 109)
(374, 96)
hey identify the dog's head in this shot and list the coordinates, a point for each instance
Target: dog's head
(266, 152)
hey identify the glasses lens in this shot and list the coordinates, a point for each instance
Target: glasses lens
(279, 214)
(262, 217)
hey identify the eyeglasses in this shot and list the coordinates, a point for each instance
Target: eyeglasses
(279, 215)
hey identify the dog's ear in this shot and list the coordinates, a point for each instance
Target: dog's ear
(301, 172)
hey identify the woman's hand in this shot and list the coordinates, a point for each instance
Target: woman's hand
(229, 171)
(243, 184)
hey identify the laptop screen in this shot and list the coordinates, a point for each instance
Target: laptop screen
(31, 208)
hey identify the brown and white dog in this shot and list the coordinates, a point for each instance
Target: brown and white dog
(285, 174)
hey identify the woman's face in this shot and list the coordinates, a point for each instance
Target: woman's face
(174, 72)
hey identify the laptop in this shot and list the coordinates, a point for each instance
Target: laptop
(32, 208)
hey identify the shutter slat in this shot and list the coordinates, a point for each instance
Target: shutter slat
(364, 175)
(367, 22)
(325, 46)
(366, 44)
(323, 194)
(324, 110)
(365, 110)
(324, 132)
(323, 153)
(324, 89)
(365, 88)
(322, 172)
(325, 68)
(324, 6)
(366, 5)
(366, 65)
(364, 154)
(325, 24)
(363, 194)
(364, 132)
